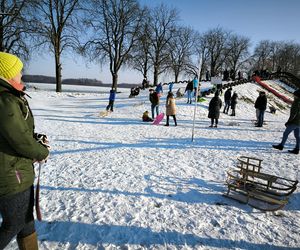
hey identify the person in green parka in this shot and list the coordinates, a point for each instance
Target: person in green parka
(18, 151)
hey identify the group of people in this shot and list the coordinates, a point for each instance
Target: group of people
(20, 148)
(154, 98)
(230, 101)
(191, 88)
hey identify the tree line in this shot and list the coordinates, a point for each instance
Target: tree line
(122, 33)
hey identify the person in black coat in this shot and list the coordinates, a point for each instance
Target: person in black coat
(189, 89)
(214, 107)
(154, 99)
(233, 102)
(227, 97)
(261, 106)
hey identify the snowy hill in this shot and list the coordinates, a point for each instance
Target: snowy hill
(119, 183)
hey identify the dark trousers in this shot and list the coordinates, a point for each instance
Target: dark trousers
(226, 107)
(110, 105)
(260, 118)
(154, 108)
(174, 118)
(17, 216)
(216, 120)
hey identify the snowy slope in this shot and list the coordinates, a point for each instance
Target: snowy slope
(119, 183)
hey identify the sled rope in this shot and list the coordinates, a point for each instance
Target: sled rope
(37, 195)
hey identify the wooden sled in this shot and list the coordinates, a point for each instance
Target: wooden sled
(249, 185)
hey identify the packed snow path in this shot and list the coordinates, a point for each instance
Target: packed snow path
(119, 183)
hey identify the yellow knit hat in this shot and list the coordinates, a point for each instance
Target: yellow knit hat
(10, 65)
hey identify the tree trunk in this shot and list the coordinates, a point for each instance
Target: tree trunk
(114, 81)
(58, 72)
(155, 77)
(176, 76)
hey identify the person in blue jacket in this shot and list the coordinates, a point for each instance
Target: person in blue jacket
(159, 89)
(112, 97)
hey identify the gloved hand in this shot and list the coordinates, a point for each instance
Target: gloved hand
(42, 139)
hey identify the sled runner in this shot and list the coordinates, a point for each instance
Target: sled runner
(158, 119)
(249, 185)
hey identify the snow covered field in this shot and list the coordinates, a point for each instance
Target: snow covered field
(119, 183)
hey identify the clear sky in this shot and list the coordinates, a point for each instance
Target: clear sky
(275, 20)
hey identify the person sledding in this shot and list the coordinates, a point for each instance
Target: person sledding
(146, 117)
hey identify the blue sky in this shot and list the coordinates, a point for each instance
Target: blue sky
(276, 20)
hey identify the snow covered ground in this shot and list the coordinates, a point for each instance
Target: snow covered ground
(119, 183)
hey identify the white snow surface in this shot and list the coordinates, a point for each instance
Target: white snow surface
(118, 183)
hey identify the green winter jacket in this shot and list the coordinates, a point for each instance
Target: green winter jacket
(18, 147)
(294, 113)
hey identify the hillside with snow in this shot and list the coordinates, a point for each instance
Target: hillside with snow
(118, 183)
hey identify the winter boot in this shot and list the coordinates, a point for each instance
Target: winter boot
(279, 146)
(28, 243)
(294, 151)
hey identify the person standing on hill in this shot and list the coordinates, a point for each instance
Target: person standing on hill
(171, 84)
(261, 106)
(233, 102)
(189, 89)
(159, 89)
(214, 107)
(293, 124)
(111, 100)
(170, 108)
(18, 151)
(227, 97)
(195, 85)
(154, 99)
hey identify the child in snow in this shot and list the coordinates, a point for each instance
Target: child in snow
(18, 150)
(146, 117)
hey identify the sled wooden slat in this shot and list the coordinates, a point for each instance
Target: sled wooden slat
(270, 191)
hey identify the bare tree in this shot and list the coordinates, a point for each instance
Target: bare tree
(56, 26)
(238, 47)
(215, 44)
(162, 26)
(14, 27)
(180, 50)
(115, 25)
(288, 55)
(140, 56)
(262, 54)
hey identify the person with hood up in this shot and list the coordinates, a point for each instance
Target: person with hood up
(293, 124)
(214, 107)
(18, 151)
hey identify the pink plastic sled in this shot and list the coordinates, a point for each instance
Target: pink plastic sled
(158, 119)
